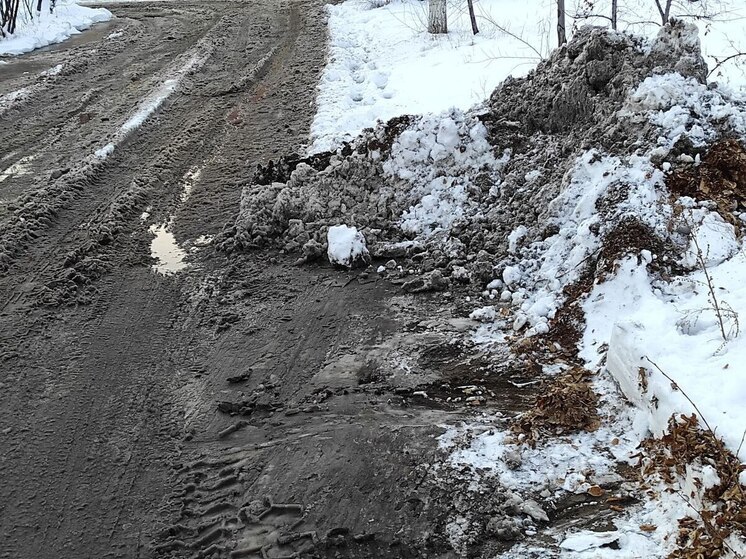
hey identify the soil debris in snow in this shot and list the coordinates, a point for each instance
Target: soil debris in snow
(457, 185)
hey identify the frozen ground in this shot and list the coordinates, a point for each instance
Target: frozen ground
(44, 29)
(383, 64)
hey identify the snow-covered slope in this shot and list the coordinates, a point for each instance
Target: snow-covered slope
(383, 64)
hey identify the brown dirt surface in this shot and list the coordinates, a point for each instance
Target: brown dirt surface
(243, 407)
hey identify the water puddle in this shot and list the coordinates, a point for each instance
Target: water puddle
(164, 246)
(166, 250)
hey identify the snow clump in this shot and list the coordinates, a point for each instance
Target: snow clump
(346, 246)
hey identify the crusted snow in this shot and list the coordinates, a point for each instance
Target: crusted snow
(633, 322)
(440, 157)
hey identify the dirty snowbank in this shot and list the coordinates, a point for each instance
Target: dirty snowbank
(661, 318)
(45, 29)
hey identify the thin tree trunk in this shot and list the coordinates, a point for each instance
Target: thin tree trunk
(474, 27)
(561, 33)
(13, 16)
(668, 11)
(437, 17)
(664, 10)
(613, 14)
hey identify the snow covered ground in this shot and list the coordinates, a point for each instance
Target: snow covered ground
(46, 29)
(382, 63)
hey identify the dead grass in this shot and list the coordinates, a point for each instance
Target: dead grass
(566, 404)
(721, 177)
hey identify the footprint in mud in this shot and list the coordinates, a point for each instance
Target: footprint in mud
(275, 532)
(214, 522)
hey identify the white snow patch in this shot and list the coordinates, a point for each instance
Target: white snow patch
(19, 168)
(545, 267)
(150, 104)
(683, 106)
(191, 177)
(104, 152)
(439, 155)
(674, 326)
(345, 245)
(382, 63)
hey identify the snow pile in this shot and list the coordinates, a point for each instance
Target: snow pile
(656, 280)
(681, 106)
(536, 281)
(557, 198)
(441, 158)
(46, 28)
(346, 246)
(410, 179)
(462, 184)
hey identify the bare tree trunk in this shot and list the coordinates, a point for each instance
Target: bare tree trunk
(668, 11)
(614, 14)
(561, 33)
(437, 17)
(13, 16)
(664, 10)
(473, 18)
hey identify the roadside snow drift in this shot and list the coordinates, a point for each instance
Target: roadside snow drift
(46, 28)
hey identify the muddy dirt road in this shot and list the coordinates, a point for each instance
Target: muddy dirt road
(240, 407)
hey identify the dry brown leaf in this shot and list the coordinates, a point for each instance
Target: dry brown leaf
(595, 491)
(648, 527)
